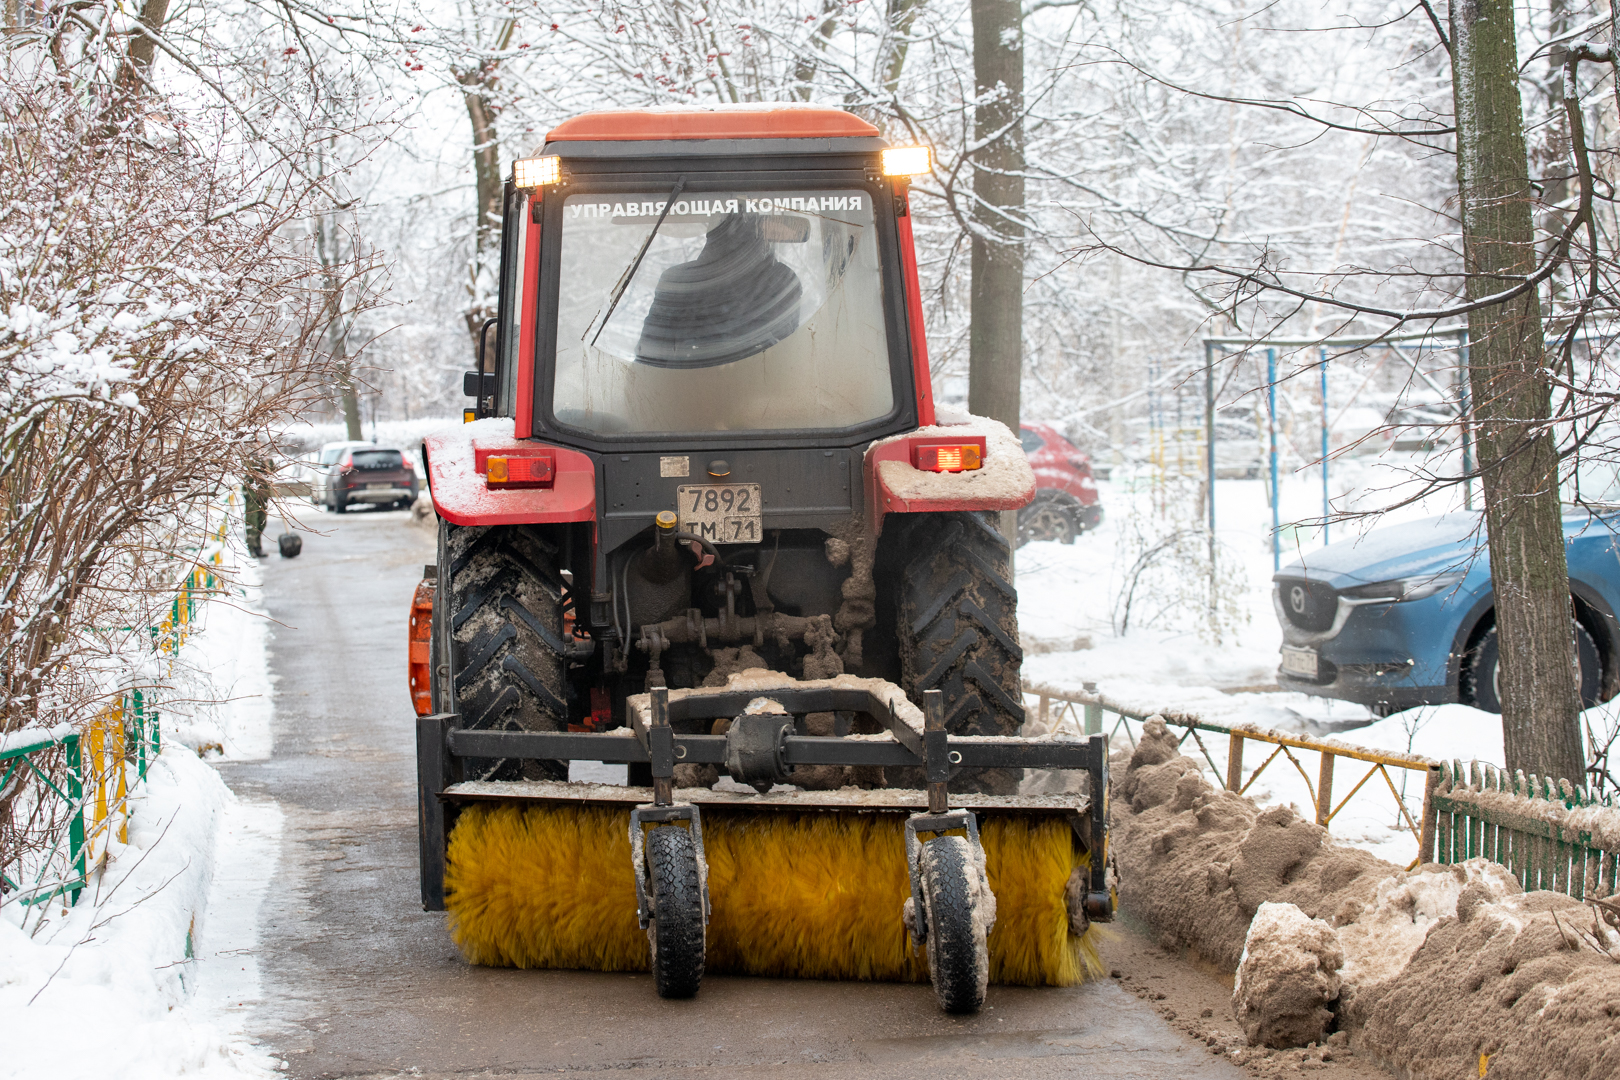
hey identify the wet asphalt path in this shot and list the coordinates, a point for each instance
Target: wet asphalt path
(360, 982)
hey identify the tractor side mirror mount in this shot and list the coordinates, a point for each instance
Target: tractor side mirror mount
(476, 385)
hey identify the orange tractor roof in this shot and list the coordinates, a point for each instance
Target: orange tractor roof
(764, 121)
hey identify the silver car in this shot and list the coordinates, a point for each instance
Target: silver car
(322, 469)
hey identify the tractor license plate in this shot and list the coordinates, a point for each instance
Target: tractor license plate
(1301, 662)
(720, 513)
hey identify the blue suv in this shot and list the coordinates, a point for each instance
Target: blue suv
(1406, 616)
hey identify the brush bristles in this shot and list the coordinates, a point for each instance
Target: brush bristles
(813, 895)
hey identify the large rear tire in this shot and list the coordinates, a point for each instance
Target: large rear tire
(957, 626)
(958, 949)
(508, 669)
(676, 931)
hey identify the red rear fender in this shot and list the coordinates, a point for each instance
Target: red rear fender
(462, 495)
(896, 486)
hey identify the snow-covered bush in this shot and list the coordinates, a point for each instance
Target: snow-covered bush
(158, 321)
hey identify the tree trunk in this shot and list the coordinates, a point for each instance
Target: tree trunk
(487, 169)
(348, 393)
(804, 67)
(902, 13)
(477, 87)
(996, 336)
(1518, 457)
(996, 307)
(137, 63)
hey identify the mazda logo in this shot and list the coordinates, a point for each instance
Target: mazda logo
(1296, 600)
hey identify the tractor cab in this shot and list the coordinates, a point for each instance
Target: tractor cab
(697, 275)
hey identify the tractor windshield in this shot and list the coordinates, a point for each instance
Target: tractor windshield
(746, 311)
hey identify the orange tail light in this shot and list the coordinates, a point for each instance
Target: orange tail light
(948, 457)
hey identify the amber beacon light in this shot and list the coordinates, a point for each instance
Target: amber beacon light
(536, 172)
(907, 160)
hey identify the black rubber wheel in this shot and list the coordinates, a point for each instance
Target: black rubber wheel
(1052, 516)
(958, 950)
(1479, 681)
(339, 502)
(676, 930)
(505, 594)
(957, 626)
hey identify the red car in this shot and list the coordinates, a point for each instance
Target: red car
(1066, 502)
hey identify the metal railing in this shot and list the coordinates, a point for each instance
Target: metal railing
(124, 737)
(1530, 825)
(1094, 706)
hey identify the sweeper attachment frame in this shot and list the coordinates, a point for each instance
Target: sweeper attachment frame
(950, 908)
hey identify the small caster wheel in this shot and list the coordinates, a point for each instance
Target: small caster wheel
(676, 931)
(959, 919)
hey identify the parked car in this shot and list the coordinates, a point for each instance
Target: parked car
(322, 467)
(1406, 616)
(1066, 502)
(375, 475)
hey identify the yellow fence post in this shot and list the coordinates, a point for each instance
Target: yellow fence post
(98, 777)
(1324, 790)
(1234, 763)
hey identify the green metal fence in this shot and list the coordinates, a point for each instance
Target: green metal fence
(100, 766)
(1532, 825)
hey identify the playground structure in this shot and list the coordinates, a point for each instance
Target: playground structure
(1449, 407)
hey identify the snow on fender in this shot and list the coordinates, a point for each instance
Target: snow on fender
(895, 485)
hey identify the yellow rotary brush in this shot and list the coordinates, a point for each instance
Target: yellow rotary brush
(810, 894)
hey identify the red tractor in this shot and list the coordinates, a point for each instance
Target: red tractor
(704, 442)
(705, 436)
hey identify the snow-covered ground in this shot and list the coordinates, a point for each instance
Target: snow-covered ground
(1070, 610)
(151, 974)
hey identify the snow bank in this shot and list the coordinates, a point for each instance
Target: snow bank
(1514, 986)
(1434, 968)
(124, 983)
(1196, 862)
(225, 666)
(147, 976)
(1405, 907)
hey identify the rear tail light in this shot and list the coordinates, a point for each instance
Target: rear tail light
(948, 457)
(514, 471)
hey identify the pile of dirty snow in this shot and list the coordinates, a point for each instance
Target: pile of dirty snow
(1196, 862)
(1430, 971)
